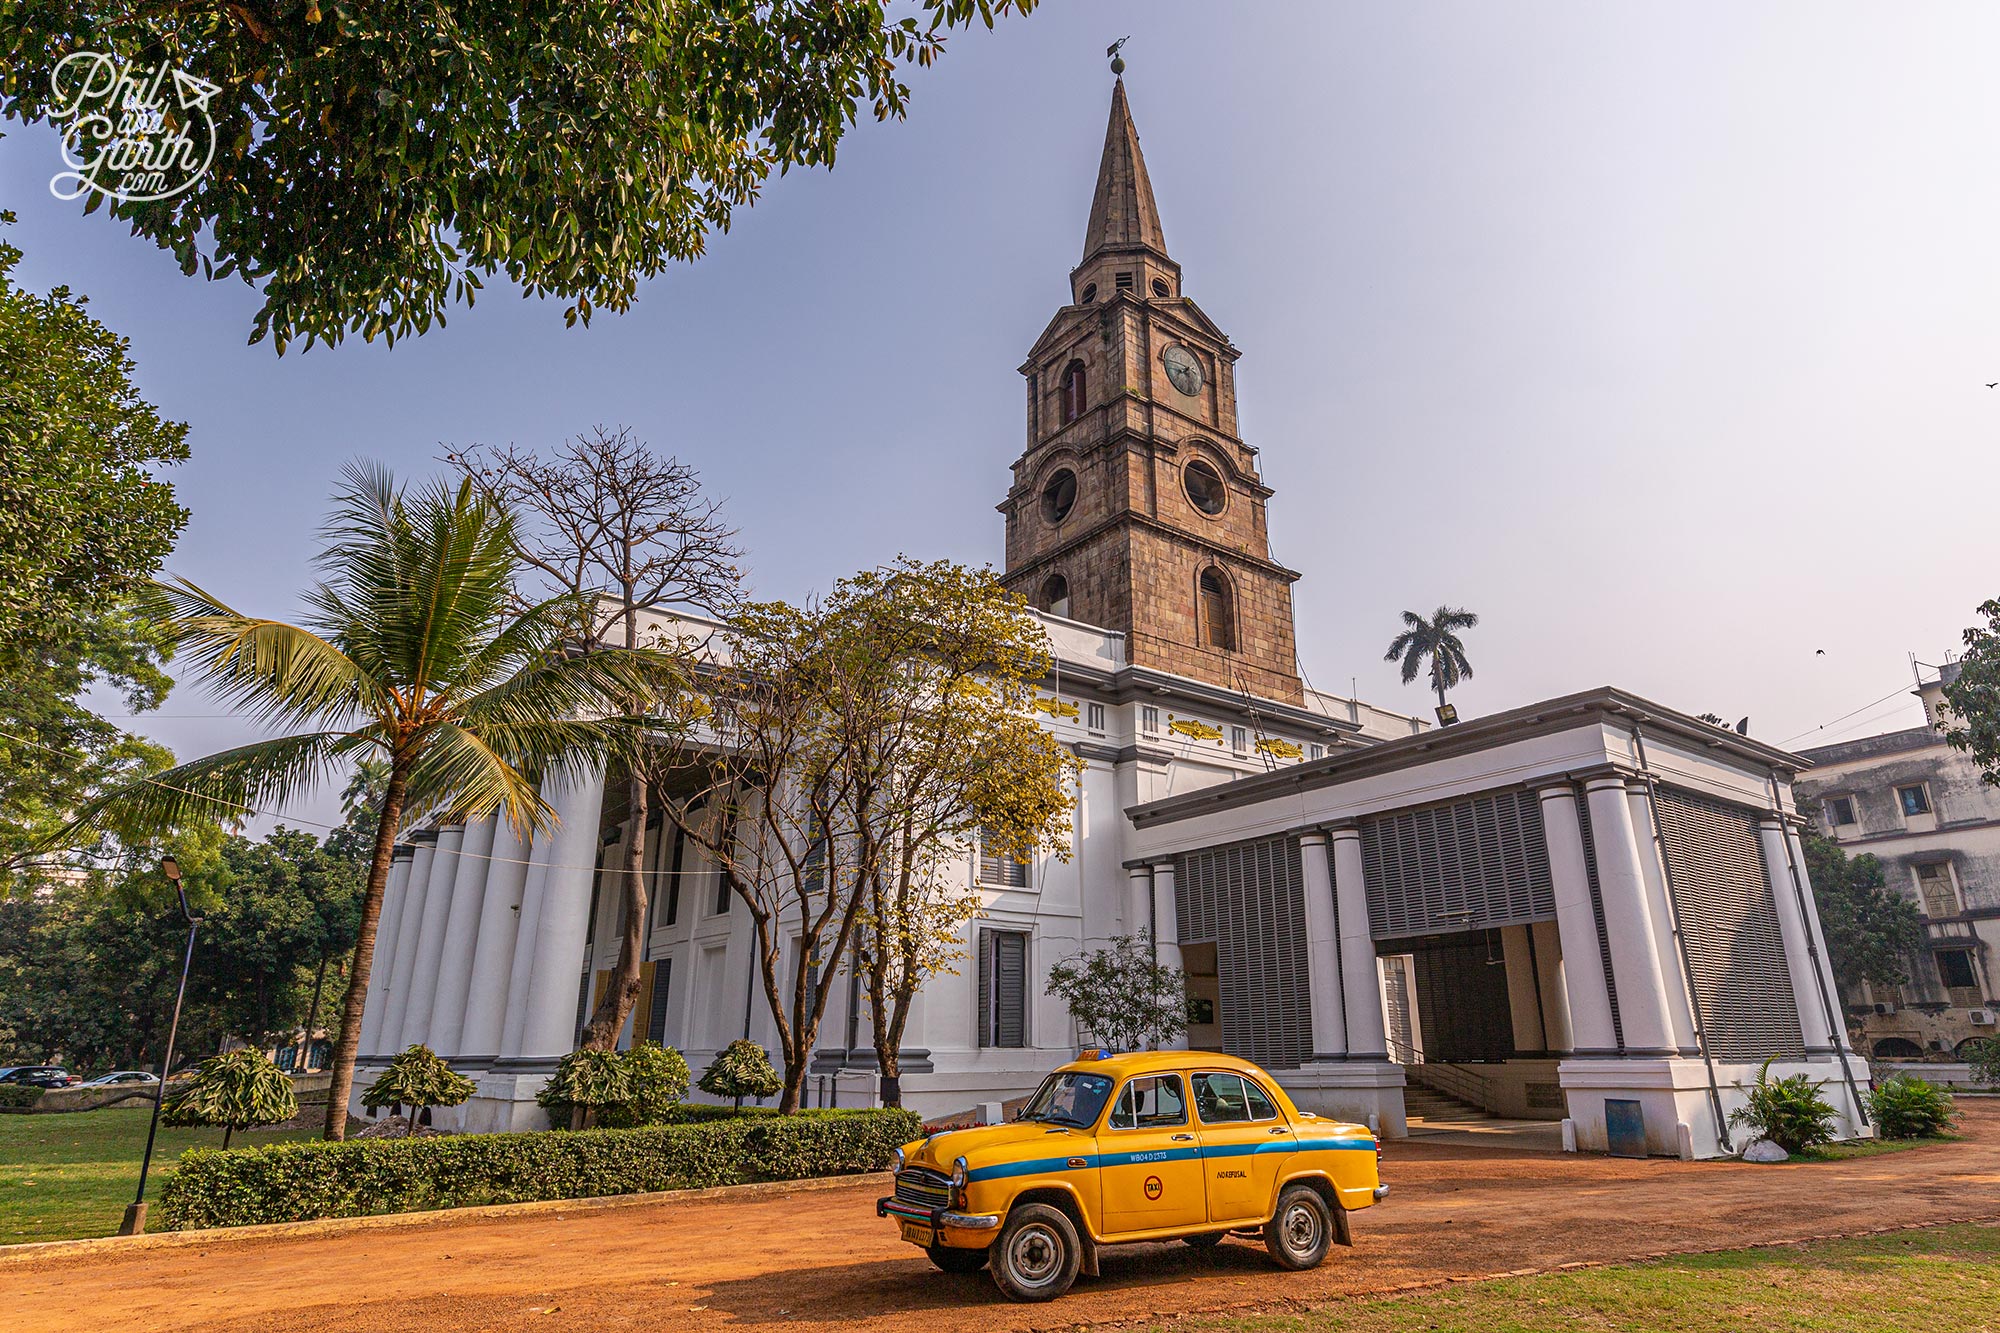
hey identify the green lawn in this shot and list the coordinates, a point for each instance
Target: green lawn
(1942, 1278)
(68, 1176)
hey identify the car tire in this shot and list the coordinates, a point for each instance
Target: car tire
(1300, 1231)
(1036, 1255)
(1207, 1240)
(951, 1259)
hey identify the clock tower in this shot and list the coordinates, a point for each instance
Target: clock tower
(1136, 506)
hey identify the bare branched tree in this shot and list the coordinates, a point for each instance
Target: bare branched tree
(605, 515)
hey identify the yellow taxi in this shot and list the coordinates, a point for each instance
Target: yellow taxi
(1158, 1145)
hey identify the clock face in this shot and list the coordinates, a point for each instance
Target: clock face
(1183, 369)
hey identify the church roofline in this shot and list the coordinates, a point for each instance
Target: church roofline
(1605, 705)
(1065, 321)
(1133, 516)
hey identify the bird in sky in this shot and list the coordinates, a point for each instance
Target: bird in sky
(1994, 385)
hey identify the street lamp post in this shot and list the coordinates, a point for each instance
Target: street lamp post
(135, 1211)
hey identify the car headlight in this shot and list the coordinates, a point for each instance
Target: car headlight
(958, 1174)
(896, 1160)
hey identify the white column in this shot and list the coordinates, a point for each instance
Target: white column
(549, 1027)
(1584, 982)
(404, 965)
(1323, 987)
(1167, 928)
(1524, 999)
(493, 948)
(417, 1018)
(461, 929)
(1547, 936)
(1628, 920)
(1659, 904)
(1139, 900)
(385, 950)
(1361, 974)
(1792, 931)
(521, 971)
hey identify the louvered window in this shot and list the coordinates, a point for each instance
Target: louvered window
(1000, 869)
(1072, 392)
(1003, 988)
(1729, 925)
(1470, 864)
(1218, 622)
(656, 1011)
(1249, 900)
(1935, 886)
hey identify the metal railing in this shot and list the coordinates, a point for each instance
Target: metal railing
(1454, 1081)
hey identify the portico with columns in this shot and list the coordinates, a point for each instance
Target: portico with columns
(1625, 881)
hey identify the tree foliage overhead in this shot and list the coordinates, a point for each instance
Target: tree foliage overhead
(376, 162)
(1870, 928)
(1973, 697)
(83, 524)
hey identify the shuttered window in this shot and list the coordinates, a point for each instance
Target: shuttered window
(998, 869)
(1474, 863)
(1730, 926)
(674, 875)
(656, 1010)
(1003, 988)
(1249, 900)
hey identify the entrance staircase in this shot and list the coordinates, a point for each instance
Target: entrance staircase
(1431, 1107)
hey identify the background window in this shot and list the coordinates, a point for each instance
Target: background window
(656, 1016)
(1003, 988)
(1915, 800)
(1204, 487)
(1315, 751)
(1239, 739)
(1955, 968)
(1218, 624)
(1055, 596)
(1059, 496)
(1072, 392)
(1093, 716)
(1840, 810)
(1149, 719)
(1934, 887)
(999, 868)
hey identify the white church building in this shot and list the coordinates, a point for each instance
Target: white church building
(1590, 909)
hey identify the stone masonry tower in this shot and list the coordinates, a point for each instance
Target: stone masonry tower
(1135, 506)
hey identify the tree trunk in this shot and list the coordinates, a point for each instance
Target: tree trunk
(312, 1017)
(601, 1034)
(227, 1130)
(348, 1047)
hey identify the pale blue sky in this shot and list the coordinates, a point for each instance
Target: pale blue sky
(1657, 335)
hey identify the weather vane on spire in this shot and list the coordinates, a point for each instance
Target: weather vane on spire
(1117, 61)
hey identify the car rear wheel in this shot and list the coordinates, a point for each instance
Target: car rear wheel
(1300, 1231)
(1207, 1240)
(951, 1259)
(1037, 1253)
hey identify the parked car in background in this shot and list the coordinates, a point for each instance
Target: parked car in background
(119, 1078)
(37, 1076)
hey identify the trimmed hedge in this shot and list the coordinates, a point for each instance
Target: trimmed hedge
(294, 1182)
(15, 1097)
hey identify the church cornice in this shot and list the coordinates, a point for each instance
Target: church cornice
(1133, 518)
(1076, 319)
(1068, 441)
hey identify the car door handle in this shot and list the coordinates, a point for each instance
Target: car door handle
(1281, 1130)
(1183, 1138)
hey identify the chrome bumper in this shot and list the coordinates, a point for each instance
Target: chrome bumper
(1381, 1193)
(937, 1217)
(970, 1221)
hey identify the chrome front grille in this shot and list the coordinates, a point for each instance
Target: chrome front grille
(922, 1189)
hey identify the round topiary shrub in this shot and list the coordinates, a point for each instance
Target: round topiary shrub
(232, 1092)
(419, 1079)
(741, 1069)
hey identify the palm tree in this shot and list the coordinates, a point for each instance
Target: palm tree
(1436, 639)
(408, 655)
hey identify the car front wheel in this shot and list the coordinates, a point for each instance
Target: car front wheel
(1298, 1234)
(951, 1259)
(1037, 1253)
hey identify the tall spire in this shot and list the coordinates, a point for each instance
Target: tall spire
(1123, 215)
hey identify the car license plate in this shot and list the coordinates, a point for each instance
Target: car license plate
(918, 1234)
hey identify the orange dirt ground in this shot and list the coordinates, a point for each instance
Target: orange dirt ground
(807, 1259)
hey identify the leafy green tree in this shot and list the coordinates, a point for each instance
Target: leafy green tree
(1972, 696)
(1435, 641)
(1984, 1057)
(586, 1081)
(83, 524)
(1870, 928)
(234, 1091)
(1121, 996)
(375, 162)
(741, 1069)
(409, 653)
(659, 1079)
(419, 1079)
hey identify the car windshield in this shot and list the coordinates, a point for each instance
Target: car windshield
(1069, 1099)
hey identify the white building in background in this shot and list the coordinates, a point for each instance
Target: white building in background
(1921, 808)
(1590, 908)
